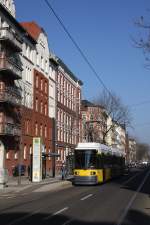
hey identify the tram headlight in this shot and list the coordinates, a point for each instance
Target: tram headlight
(76, 173)
(92, 173)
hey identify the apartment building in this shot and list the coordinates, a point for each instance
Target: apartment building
(68, 112)
(94, 122)
(119, 137)
(45, 96)
(28, 89)
(12, 36)
(116, 136)
(39, 94)
(132, 150)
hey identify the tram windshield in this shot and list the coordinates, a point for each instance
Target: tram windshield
(85, 159)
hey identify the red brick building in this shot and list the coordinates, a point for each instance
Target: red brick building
(68, 113)
(39, 110)
(94, 122)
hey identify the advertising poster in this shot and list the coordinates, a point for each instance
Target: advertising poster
(37, 160)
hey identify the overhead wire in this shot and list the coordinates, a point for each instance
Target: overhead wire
(79, 49)
(85, 57)
(83, 54)
(140, 103)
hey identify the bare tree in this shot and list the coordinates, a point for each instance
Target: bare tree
(115, 109)
(143, 39)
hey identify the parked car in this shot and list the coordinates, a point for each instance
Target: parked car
(21, 168)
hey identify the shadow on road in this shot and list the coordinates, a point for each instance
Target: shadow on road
(134, 183)
(133, 218)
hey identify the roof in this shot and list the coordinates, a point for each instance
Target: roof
(16, 23)
(87, 103)
(33, 29)
(101, 148)
(63, 65)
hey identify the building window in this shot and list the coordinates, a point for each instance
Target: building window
(36, 104)
(37, 59)
(27, 51)
(49, 151)
(46, 66)
(36, 81)
(51, 91)
(42, 62)
(41, 107)
(1, 86)
(25, 152)
(31, 54)
(45, 131)
(59, 151)
(27, 126)
(30, 150)
(45, 109)
(45, 87)
(7, 155)
(41, 84)
(16, 155)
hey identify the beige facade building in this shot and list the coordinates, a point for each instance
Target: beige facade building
(68, 132)
(116, 136)
(132, 150)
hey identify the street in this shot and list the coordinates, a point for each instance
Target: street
(123, 201)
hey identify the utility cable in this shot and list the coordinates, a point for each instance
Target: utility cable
(78, 48)
(140, 103)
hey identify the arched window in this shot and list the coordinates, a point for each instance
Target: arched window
(45, 131)
(36, 104)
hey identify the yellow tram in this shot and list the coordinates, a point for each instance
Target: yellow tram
(96, 163)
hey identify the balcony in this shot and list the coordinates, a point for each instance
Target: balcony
(10, 68)
(11, 95)
(11, 38)
(9, 129)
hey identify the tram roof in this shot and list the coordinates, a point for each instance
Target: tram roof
(93, 146)
(100, 147)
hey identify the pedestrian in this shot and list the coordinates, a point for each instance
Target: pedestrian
(63, 172)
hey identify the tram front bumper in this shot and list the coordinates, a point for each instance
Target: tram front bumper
(85, 180)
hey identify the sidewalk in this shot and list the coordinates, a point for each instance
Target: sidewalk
(13, 187)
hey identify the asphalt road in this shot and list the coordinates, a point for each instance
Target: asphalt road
(123, 201)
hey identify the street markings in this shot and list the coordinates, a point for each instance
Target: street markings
(56, 213)
(132, 199)
(14, 196)
(67, 222)
(131, 178)
(87, 196)
(60, 211)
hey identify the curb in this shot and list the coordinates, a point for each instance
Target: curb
(47, 185)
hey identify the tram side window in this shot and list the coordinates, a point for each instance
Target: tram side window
(99, 162)
(106, 161)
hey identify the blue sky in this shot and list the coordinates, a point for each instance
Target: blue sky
(103, 30)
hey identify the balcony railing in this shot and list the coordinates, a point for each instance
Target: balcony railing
(8, 66)
(9, 129)
(11, 95)
(11, 37)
